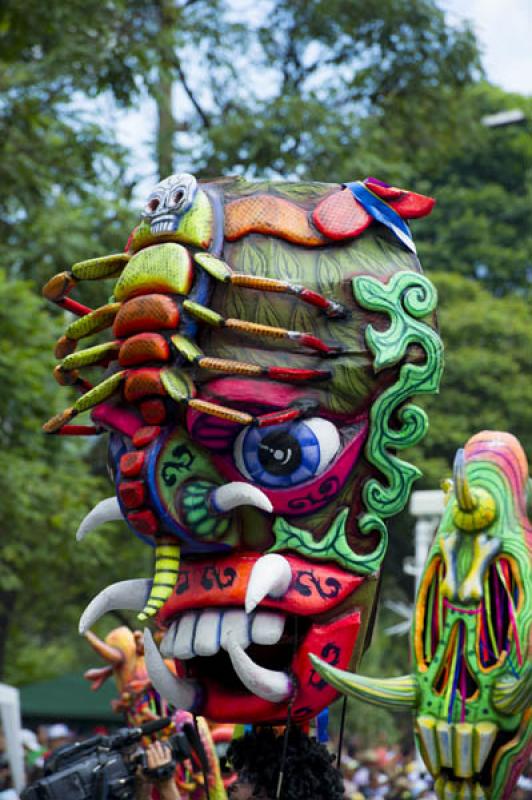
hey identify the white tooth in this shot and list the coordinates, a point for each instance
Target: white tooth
(181, 693)
(107, 510)
(484, 734)
(462, 744)
(237, 493)
(207, 633)
(265, 683)
(236, 624)
(125, 595)
(267, 627)
(184, 636)
(167, 643)
(271, 575)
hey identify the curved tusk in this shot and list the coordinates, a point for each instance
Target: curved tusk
(107, 510)
(271, 575)
(464, 496)
(393, 693)
(238, 493)
(111, 654)
(124, 595)
(181, 693)
(268, 684)
(167, 554)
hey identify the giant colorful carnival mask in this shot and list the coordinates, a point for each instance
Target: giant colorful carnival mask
(472, 685)
(266, 339)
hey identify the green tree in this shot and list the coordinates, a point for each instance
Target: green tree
(46, 486)
(486, 382)
(480, 225)
(326, 82)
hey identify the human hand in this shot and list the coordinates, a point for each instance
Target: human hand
(160, 769)
(158, 755)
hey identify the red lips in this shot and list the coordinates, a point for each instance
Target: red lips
(316, 589)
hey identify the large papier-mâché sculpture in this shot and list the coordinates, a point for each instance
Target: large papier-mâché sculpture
(472, 684)
(265, 340)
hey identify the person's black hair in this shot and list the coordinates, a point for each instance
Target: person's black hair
(309, 773)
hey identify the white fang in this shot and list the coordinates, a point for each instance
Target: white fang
(107, 510)
(124, 595)
(271, 575)
(181, 693)
(268, 684)
(238, 493)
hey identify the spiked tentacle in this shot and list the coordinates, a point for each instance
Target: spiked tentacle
(94, 322)
(94, 396)
(67, 371)
(276, 373)
(58, 287)
(221, 271)
(257, 330)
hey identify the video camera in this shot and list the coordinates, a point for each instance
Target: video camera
(103, 767)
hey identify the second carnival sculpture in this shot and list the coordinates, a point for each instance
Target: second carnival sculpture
(265, 340)
(471, 685)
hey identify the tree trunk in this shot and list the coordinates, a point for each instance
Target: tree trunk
(165, 126)
(163, 94)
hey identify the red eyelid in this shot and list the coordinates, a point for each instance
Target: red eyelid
(224, 432)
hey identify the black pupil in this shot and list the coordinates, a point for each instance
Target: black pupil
(280, 453)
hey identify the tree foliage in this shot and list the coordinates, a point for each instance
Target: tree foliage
(47, 485)
(480, 226)
(486, 381)
(332, 91)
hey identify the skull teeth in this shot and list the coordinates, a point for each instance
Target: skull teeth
(163, 225)
(204, 633)
(461, 747)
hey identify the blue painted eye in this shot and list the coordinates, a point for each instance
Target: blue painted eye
(285, 455)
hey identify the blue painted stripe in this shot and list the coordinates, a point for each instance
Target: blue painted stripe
(383, 213)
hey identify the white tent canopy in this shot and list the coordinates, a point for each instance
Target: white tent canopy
(10, 710)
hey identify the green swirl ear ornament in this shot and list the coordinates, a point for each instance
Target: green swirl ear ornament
(406, 299)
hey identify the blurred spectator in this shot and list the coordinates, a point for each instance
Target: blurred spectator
(6, 787)
(58, 735)
(34, 753)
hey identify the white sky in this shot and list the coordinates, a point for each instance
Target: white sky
(504, 29)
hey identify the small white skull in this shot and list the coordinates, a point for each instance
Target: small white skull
(168, 201)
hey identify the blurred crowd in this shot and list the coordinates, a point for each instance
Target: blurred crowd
(394, 773)
(37, 745)
(383, 771)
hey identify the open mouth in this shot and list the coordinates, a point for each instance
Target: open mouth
(239, 629)
(463, 757)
